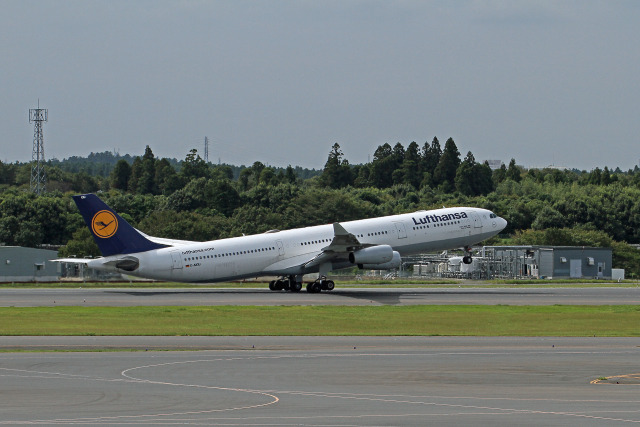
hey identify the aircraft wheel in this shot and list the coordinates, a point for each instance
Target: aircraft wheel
(295, 286)
(313, 288)
(329, 285)
(467, 259)
(272, 285)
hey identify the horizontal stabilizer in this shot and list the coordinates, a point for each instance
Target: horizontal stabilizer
(73, 260)
(126, 263)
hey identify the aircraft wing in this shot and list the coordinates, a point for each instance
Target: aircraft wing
(343, 242)
(338, 250)
(321, 258)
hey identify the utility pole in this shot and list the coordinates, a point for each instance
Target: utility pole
(38, 176)
(206, 149)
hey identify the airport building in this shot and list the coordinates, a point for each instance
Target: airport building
(18, 264)
(549, 262)
(521, 262)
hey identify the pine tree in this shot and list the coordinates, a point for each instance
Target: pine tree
(337, 172)
(465, 176)
(411, 166)
(382, 167)
(120, 175)
(445, 172)
(513, 172)
(431, 155)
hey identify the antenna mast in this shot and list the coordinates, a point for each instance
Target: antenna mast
(38, 176)
(206, 149)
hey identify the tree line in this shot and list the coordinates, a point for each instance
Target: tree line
(195, 200)
(429, 166)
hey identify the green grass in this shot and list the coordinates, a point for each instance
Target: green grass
(134, 284)
(390, 283)
(614, 321)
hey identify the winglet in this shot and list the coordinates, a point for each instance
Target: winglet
(111, 232)
(339, 230)
(342, 238)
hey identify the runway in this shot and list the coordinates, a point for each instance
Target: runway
(341, 381)
(15, 297)
(319, 381)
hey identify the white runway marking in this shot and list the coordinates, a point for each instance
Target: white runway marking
(456, 407)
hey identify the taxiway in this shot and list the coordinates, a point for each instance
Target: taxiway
(330, 381)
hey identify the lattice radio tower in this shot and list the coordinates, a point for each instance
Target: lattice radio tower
(206, 149)
(38, 176)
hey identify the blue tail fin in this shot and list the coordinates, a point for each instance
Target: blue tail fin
(113, 234)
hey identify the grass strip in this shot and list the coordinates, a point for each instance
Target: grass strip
(339, 284)
(134, 285)
(560, 320)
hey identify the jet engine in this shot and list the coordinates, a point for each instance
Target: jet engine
(394, 263)
(372, 255)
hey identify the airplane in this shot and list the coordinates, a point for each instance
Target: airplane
(375, 243)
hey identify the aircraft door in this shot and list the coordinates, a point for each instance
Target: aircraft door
(176, 260)
(477, 222)
(280, 247)
(402, 231)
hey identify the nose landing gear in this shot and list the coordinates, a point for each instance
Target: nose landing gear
(467, 259)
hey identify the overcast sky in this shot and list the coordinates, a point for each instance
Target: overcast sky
(544, 82)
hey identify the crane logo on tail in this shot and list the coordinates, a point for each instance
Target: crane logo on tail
(104, 224)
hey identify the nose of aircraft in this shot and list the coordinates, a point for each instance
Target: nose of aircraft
(501, 223)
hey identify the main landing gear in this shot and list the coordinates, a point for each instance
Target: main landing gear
(467, 255)
(286, 284)
(291, 284)
(321, 284)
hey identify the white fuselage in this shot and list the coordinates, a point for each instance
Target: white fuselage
(286, 252)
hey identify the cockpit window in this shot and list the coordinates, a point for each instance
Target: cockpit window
(492, 215)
